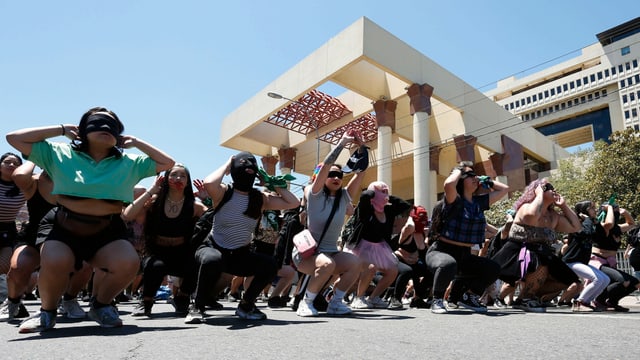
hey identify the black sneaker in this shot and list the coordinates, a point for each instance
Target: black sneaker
(418, 303)
(181, 304)
(472, 302)
(143, 308)
(276, 302)
(250, 312)
(214, 305)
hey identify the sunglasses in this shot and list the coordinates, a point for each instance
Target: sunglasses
(467, 174)
(334, 174)
(547, 187)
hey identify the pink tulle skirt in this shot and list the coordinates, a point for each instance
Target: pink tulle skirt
(378, 254)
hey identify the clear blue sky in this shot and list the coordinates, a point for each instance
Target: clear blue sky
(173, 70)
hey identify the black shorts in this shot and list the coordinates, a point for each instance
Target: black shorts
(84, 234)
(8, 233)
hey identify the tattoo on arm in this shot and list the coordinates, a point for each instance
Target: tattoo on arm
(331, 158)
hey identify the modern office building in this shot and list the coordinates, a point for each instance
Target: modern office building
(584, 98)
(418, 119)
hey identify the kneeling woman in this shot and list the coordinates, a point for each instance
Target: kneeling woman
(92, 178)
(528, 254)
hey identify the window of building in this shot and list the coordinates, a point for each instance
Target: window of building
(606, 72)
(635, 63)
(528, 100)
(582, 99)
(559, 90)
(578, 82)
(599, 74)
(510, 106)
(556, 108)
(517, 104)
(637, 79)
(627, 66)
(590, 97)
(629, 81)
(624, 99)
(620, 69)
(622, 83)
(613, 70)
(634, 113)
(563, 106)
(534, 97)
(553, 91)
(585, 80)
(592, 77)
(632, 96)
(565, 87)
(597, 94)
(572, 85)
(604, 92)
(626, 114)
(625, 50)
(576, 101)
(546, 93)
(636, 127)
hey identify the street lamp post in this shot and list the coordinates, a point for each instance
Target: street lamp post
(313, 120)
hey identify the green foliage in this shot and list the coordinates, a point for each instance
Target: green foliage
(616, 170)
(497, 214)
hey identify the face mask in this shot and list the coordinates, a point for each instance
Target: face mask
(243, 180)
(381, 197)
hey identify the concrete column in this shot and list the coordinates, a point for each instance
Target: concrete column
(420, 108)
(269, 164)
(386, 122)
(287, 160)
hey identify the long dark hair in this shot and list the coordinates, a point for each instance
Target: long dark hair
(14, 190)
(155, 214)
(83, 144)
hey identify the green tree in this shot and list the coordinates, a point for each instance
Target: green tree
(616, 170)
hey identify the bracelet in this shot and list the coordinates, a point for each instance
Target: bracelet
(63, 130)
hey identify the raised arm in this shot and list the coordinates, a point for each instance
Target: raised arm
(162, 159)
(213, 182)
(347, 137)
(24, 139)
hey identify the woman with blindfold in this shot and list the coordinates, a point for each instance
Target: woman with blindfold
(92, 177)
(528, 255)
(462, 225)
(319, 199)
(606, 242)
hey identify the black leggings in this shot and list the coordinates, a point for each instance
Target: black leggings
(211, 262)
(174, 260)
(415, 272)
(616, 289)
(454, 263)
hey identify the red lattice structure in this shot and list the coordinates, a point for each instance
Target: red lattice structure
(313, 108)
(366, 125)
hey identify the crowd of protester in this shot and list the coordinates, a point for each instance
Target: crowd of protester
(92, 230)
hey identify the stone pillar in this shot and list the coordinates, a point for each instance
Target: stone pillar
(269, 164)
(465, 147)
(287, 160)
(386, 122)
(420, 108)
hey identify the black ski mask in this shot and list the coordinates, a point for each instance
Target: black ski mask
(242, 178)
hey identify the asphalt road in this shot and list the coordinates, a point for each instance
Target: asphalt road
(386, 334)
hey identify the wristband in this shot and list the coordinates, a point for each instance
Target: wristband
(63, 130)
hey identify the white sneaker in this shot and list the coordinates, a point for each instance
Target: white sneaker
(72, 309)
(360, 303)
(438, 307)
(337, 307)
(306, 309)
(378, 303)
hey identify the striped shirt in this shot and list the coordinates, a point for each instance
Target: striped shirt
(232, 229)
(9, 205)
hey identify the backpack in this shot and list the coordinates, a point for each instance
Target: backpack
(291, 225)
(352, 230)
